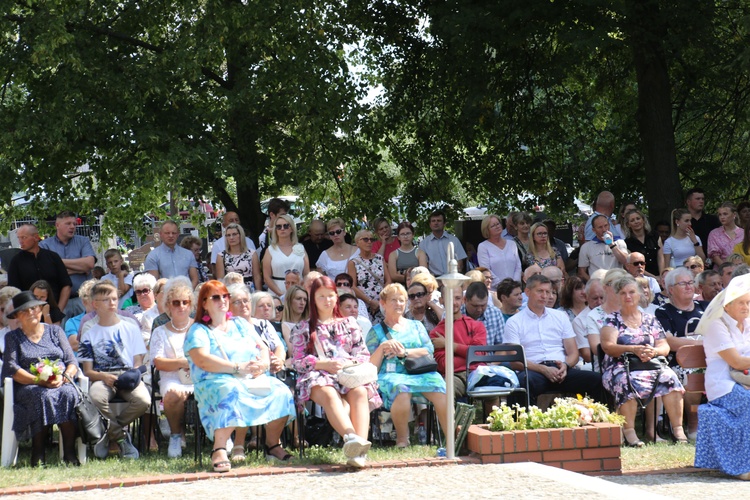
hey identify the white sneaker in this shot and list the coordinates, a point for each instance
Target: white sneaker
(175, 446)
(127, 450)
(357, 462)
(355, 446)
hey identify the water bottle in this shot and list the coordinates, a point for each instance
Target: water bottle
(422, 434)
(607, 239)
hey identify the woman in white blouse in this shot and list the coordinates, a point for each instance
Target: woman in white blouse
(496, 253)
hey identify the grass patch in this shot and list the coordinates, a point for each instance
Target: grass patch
(657, 456)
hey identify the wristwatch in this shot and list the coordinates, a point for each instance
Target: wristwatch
(697, 244)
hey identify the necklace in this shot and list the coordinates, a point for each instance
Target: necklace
(179, 329)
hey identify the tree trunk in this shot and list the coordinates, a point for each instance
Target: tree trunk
(654, 116)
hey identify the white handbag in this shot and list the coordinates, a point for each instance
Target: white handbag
(353, 374)
(183, 373)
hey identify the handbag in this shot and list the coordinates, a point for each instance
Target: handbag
(258, 386)
(634, 363)
(183, 373)
(353, 374)
(92, 425)
(742, 377)
(418, 364)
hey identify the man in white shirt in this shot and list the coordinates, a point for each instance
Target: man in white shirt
(594, 298)
(550, 346)
(604, 251)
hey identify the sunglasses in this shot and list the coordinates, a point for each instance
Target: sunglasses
(279, 227)
(693, 266)
(143, 291)
(368, 240)
(639, 263)
(335, 232)
(418, 295)
(343, 283)
(219, 298)
(279, 308)
(178, 303)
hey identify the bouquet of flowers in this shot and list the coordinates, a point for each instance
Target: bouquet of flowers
(47, 370)
(566, 412)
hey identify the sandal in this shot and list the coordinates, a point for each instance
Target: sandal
(238, 454)
(269, 456)
(221, 465)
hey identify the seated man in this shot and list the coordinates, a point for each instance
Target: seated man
(477, 306)
(107, 351)
(604, 251)
(466, 332)
(550, 346)
(709, 283)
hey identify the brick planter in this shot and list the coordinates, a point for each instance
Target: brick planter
(593, 449)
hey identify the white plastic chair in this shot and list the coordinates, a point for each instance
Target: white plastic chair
(9, 453)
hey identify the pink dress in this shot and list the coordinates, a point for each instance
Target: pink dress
(341, 339)
(719, 243)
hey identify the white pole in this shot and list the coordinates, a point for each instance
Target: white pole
(450, 433)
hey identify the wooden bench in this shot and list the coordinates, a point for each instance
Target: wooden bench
(693, 356)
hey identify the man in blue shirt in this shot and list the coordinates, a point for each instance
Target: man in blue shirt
(77, 254)
(169, 259)
(436, 243)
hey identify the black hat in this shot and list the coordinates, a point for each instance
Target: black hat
(129, 380)
(23, 301)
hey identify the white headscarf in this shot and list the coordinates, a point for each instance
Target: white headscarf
(738, 287)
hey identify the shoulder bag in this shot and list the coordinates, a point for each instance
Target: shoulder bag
(352, 374)
(92, 425)
(418, 364)
(633, 364)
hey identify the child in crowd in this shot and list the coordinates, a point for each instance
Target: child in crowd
(119, 275)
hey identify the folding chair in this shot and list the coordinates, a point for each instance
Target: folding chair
(498, 353)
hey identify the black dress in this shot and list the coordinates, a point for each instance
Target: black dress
(35, 406)
(649, 248)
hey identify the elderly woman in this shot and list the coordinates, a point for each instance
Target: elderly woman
(228, 364)
(630, 331)
(264, 312)
(238, 258)
(322, 346)
(369, 272)
(296, 309)
(335, 260)
(40, 402)
(51, 313)
(496, 253)
(639, 238)
(722, 240)
(421, 306)
(284, 255)
(406, 256)
(723, 432)
(393, 341)
(541, 251)
(695, 264)
(168, 357)
(683, 242)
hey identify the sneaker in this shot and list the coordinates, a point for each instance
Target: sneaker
(127, 450)
(175, 446)
(101, 448)
(357, 462)
(355, 446)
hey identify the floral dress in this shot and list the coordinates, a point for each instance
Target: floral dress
(542, 262)
(223, 400)
(341, 339)
(370, 278)
(614, 376)
(242, 264)
(392, 377)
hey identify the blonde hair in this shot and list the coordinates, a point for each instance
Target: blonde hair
(486, 224)
(233, 279)
(427, 280)
(392, 289)
(292, 227)
(336, 222)
(243, 242)
(648, 295)
(532, 243)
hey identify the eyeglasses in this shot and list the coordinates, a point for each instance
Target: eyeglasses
(685, 284)
(495, 225)
(542, 234)
(418, 295)
(335, 232)
(343, 283)
(279, 227)
(639, 263)
(404, 235)
(279, 308)
(368, 240)
(143, 291)
(218, 298)
(694, 266)
(243, 302)
(178, 303)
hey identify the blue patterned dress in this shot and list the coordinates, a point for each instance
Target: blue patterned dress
(223, 400)
(392, 377)
(614, 376)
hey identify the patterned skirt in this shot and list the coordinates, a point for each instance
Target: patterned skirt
(724, 434)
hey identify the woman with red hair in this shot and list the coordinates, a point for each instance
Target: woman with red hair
(340, 341)
(229, 365)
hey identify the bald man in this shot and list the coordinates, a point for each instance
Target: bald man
(35, 263)
(604, 205)
(636, 266)
(220, 244)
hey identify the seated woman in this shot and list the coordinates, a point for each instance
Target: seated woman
(421, 308)
(224, 356)
(695, 264)
(51, 313)
(340, 341)
(631, 331)
(573, 297)
(390, 343)
(263, 313)
(39, 403)
(168, 357)
(722, 423)
(295, 310)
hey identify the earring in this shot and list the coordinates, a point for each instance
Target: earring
(229, 315)
(206, 318)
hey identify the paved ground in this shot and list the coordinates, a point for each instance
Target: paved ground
(517, 481)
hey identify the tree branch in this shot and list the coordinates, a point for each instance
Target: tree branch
(119, 36)
(213, 76)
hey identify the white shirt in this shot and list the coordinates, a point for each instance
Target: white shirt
(541, 336)
(723, 334)
(220, 246)
(595, 255)
(128, 281)
(579, 327)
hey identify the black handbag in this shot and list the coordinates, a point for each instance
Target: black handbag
(92, 425)
(633, 364)
(417, 365)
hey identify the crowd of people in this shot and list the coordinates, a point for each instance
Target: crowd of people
(234, 331)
